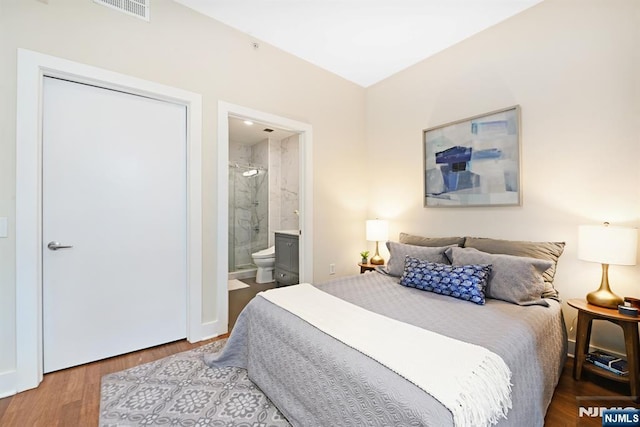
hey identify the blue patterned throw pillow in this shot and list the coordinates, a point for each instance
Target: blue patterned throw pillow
(466, 282)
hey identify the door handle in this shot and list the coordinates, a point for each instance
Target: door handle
(54, 246)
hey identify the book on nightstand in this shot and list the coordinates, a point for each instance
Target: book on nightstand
(609, 362)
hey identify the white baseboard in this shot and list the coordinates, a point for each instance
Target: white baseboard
(7, 384)
(212, 329)
(571, 350)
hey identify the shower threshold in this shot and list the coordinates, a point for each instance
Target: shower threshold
(243, 272)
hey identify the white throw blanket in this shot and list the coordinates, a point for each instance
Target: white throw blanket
(471, 381)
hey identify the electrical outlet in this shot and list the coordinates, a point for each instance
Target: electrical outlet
(332, 269)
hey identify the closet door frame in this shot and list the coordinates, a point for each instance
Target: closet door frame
(32, 68)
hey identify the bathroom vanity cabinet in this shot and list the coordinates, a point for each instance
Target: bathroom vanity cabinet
(286, 268)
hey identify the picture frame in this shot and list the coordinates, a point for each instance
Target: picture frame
(474, 161)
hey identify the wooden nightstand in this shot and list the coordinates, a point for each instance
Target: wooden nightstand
(366, 267)
(587, 313)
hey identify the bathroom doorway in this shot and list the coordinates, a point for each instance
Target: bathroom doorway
(264, 176)
(299, 212)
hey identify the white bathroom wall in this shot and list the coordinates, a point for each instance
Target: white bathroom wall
(239, 153)
(260, 154)
(289, 183)
(275, 199)
(284, 179)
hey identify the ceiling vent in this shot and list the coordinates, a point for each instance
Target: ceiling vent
(137, 8)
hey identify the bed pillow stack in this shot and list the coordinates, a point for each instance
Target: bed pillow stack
(513, 279)
(549, 251)
(519, 272)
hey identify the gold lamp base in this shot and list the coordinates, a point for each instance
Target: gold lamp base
(377, 259)
(603, 297)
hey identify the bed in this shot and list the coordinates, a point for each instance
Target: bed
(315, 379)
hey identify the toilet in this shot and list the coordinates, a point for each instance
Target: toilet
(266, 261)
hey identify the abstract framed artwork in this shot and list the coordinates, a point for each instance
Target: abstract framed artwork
(474, 161)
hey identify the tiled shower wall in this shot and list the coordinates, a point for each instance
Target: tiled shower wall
(265, 203)
(248, 204)
(283, 185)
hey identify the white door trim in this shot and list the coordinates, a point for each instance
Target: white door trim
(225, 110)
(32, 67)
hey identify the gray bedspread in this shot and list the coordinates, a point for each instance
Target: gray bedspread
(315, 380)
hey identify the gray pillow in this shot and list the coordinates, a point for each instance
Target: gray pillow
(513, 279)
(550, 251)
(399, 251)
(411, 239)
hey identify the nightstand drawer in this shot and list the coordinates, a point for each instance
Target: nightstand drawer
(285, 278)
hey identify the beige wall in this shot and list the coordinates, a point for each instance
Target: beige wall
(572, 65)
(184, 49)
(574, 68)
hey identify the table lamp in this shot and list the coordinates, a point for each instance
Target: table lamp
(607, 244)
(377, 230)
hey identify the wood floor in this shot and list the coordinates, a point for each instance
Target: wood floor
(563, 410)
(239, 298)
(71, 397)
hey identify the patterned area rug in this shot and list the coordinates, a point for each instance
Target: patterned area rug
(180, 390)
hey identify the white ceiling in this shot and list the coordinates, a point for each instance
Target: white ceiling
(364, 41)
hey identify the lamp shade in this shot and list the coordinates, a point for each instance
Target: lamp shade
(607, 244)
(377, 230)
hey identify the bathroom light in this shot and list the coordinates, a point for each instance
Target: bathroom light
(251, 172)
(248, 122)
(377, 230)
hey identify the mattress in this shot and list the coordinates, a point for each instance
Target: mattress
(316, 380)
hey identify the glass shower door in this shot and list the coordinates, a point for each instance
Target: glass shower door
(248, 215)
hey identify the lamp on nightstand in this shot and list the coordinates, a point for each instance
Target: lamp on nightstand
(607, 244)
(377, 230)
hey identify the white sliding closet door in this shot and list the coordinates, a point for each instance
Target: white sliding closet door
(114, 190)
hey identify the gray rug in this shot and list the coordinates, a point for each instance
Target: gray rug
(180, 390)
